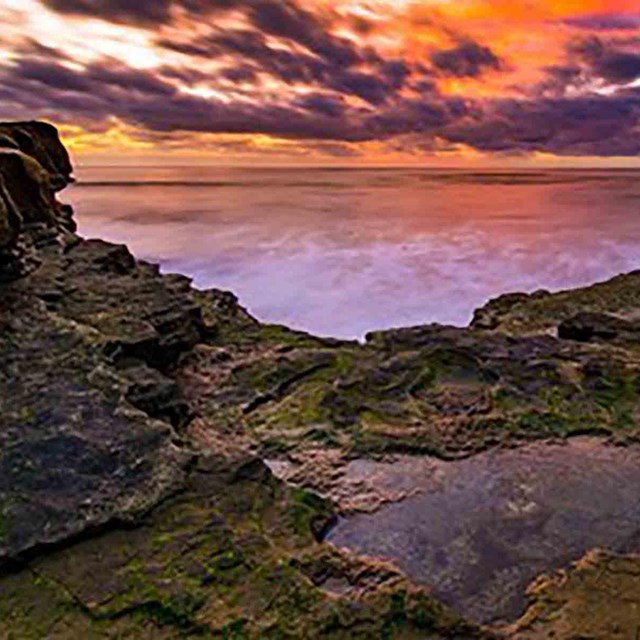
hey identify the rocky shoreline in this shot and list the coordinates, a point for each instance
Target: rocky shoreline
(137, 413)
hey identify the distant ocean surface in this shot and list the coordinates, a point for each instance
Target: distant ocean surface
(340, 252)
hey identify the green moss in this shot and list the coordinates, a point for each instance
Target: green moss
(546, 424)
(305, 510)
(235, 630)
(301, 407)
(397, 615)
(611, 390)
(178, 612)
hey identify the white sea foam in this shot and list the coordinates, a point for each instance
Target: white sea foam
(341, 253)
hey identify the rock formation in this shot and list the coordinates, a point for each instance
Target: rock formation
(136, 411)
(34, 165)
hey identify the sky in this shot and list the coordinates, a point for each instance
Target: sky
(432, 82)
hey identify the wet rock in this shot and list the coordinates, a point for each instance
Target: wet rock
(139, 313)
(132, 408)
(597, 598)
(491, 315)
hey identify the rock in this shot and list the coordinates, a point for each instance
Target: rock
(134, 411)
(10, 219)
(492, 314)
(34, 165)
(28, 186)
(587, 327)
(542, 312)
(40, 141)
(597, 597)
(8, 142)
(157, 395)
(73, 454)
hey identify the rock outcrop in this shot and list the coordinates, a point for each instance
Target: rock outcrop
(34, 166)
(86, 413)
(116, 519)
(135, 413)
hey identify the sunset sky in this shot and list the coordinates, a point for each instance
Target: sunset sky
(484, 82)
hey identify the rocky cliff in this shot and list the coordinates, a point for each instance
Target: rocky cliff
(136, 412)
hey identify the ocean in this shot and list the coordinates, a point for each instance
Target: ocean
(340, 252)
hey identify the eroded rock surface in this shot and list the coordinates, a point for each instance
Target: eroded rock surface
(135, 413)
(115, 520)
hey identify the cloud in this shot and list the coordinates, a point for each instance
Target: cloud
(468, 59)
(581, 126)
(144, 12)
(605, 21)
(326, 104)
(333, 64)
(279, 69)
(608, 60)
(141, 98)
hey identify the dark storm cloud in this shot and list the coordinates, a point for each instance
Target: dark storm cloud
(610, 61)
(147, 12)
(327, 104)
(467, 59)
(398, 101)
(141, 98)
(606, 22)
(288, 20)
(319, 58)
(375, 86)
(590, 125)
(252, 46)
(592, 61)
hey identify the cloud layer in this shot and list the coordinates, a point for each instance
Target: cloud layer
(328, 76)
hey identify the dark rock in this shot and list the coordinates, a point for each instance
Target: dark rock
(28, 186)
(10, 219)
(135, 530)
(491, 315)
(542, 312)
(73, 454)
(587, 327)
(33, 166)
(41, 141)
(157, 395)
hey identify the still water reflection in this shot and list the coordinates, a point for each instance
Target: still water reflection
(482, 529)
